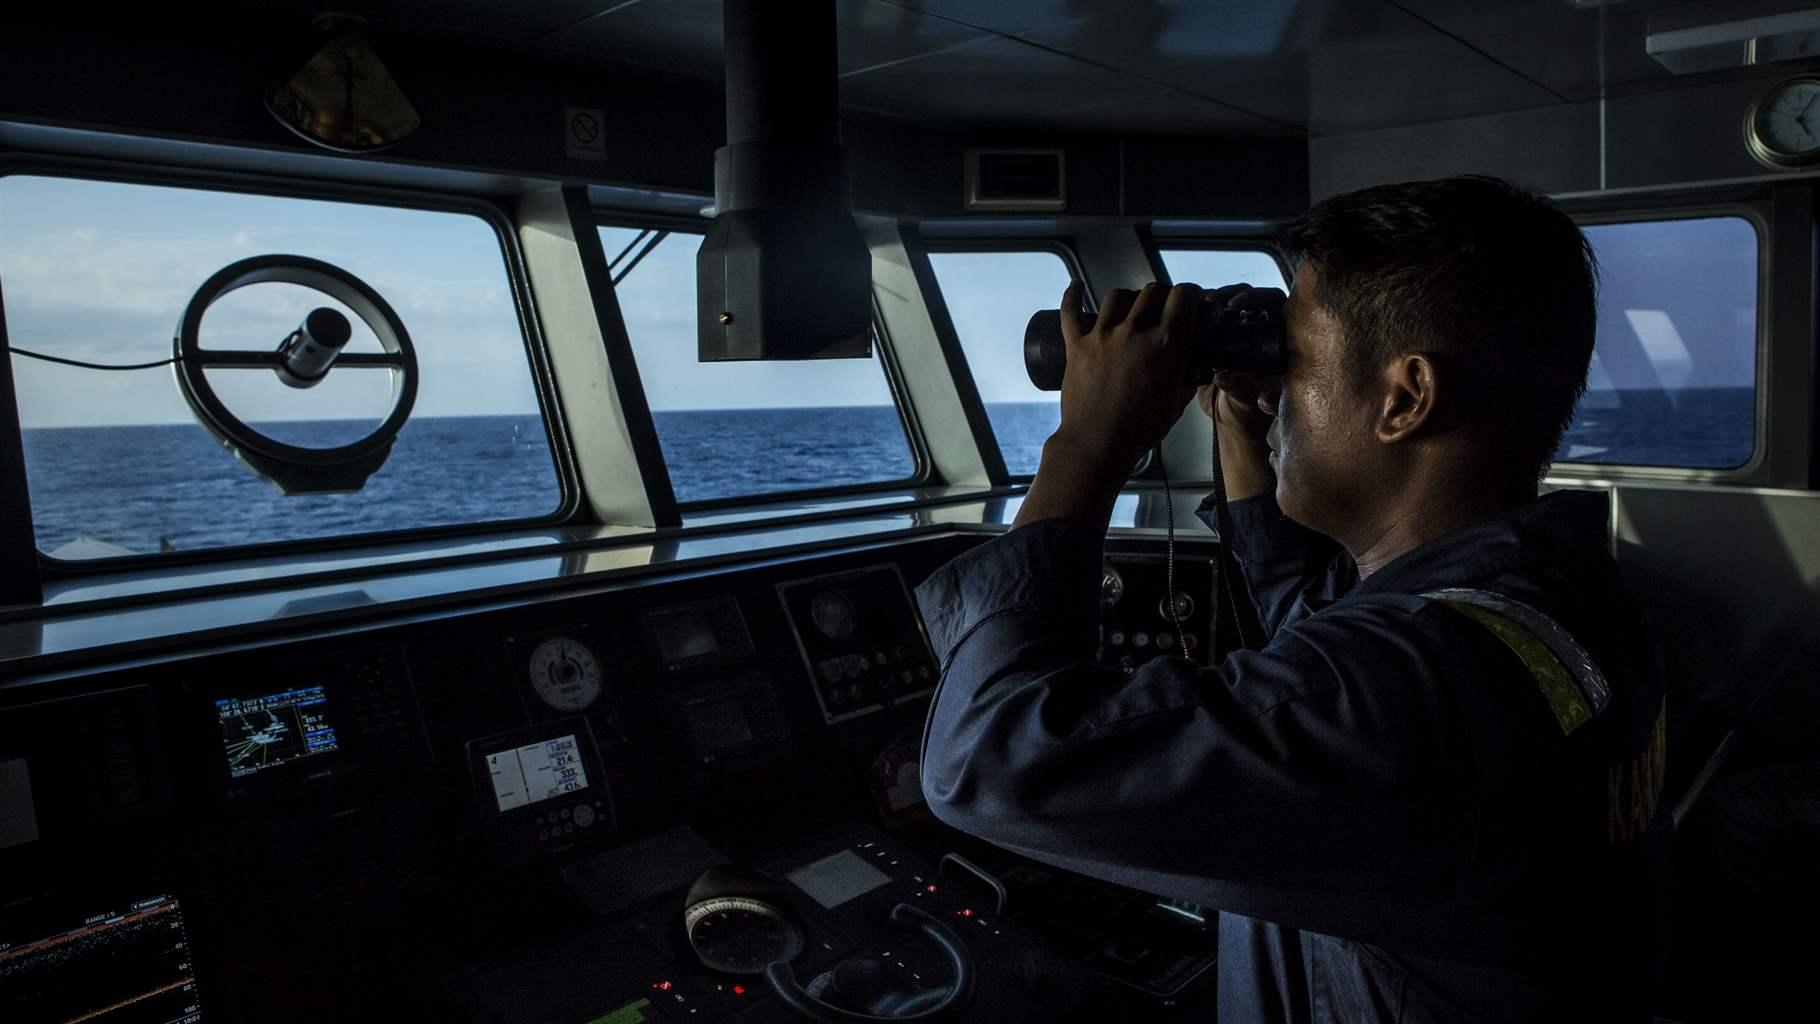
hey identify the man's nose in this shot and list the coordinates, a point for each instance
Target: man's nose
(1268, 397)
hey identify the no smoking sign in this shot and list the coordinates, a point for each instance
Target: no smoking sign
(584, 133)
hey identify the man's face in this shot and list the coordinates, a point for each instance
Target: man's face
(1323, 446)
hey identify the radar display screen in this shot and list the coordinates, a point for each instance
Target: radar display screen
(684, 633)
(698, 635)
(536, 772)
(128, 965)
(265, 732)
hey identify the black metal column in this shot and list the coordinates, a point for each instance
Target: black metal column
(783, 271)
(19, 580)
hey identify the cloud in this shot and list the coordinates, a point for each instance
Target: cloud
(116, 296)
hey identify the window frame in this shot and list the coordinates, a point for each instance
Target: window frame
(1597, 213)
(921, 464)
(1151, 468)
(1758, 216)
(941, 244)
(570, 502)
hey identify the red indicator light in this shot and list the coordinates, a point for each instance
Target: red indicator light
(967, 912)
(663, 986)
(739, 990)
(929, 888)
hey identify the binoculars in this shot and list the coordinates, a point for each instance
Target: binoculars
(1243, 340)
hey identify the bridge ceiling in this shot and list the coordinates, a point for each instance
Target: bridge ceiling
(1197, 67)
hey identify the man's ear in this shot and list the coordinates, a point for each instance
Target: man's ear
(1407, 397)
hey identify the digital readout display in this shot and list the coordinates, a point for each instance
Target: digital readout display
(265, 732)
(536, 772)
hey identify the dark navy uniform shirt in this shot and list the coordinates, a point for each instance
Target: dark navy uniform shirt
(1380, 802)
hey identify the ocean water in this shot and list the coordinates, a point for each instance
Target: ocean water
(738, 452)
(171, 487)
(1694, 428)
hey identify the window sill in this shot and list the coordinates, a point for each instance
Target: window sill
(152, 612)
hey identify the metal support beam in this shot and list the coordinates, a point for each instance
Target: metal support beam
(962, 448)
(19, 580)
(1789, 373)
(622, 469)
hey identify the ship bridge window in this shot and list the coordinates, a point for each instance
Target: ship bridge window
(116, 462)
(1674, 371)
(1213, 268)
(990, 296)
(733, 430)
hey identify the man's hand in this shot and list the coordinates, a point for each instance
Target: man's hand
(1232, 401)
(1127, 380)
(1127, 383)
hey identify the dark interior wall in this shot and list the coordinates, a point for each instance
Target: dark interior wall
(1684, 136)
(483, 109)
(499, 109)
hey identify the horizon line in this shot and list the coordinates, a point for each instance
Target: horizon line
(711, 409)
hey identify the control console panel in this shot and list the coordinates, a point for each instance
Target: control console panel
(319, 722)
(861, 640)
(1142, 616)
(65, 963)
(542, 787)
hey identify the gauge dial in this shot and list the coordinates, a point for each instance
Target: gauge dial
(1184, 607)
(565, 674)
(833, 614)
(740, 934)
(1112, 588)
(1783, 127)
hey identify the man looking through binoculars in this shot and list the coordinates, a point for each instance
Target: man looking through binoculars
(1424, 798)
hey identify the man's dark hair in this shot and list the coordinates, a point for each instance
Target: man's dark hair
(1491, 281)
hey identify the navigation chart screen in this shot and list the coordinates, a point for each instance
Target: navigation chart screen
(536, 771)
(265, 732)
(126, 965)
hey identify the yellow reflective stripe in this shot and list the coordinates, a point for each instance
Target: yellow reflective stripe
(1552, 677)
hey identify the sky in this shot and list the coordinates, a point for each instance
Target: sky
(102, 271)
(1683, 295)
(657, 301)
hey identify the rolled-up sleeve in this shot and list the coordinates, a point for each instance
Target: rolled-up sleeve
(1249, 786)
